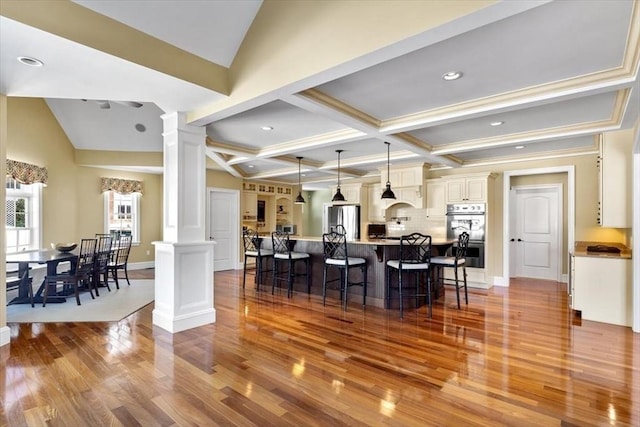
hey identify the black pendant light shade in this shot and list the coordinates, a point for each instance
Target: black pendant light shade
(338, 197)
(388, 194)
(299, 200)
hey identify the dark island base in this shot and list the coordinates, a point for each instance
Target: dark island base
(376, 290)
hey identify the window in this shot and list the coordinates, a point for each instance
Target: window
(122, 214)
(23, 216)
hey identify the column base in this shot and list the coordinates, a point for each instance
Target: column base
(184, 322)
(5, 335)
(183, 285)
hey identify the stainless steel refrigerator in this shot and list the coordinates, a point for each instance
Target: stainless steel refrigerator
(346, 215)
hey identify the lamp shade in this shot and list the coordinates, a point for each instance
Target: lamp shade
(299, 199)
(388, 194)
(338, 197)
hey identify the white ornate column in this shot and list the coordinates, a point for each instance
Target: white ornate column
(184, 259)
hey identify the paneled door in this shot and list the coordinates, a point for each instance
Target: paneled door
(223, 227)
(538, 229)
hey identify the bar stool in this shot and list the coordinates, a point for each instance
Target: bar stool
(252, 249)
(415, 256)
(458, 260)
(335, 255)
(282, 254)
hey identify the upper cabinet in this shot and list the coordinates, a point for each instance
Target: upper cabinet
(354, 194)
(377, 206)
(466, 189)
(283, 191)
(266, 188)
(615, 184)
(406, 182)
(436, 203)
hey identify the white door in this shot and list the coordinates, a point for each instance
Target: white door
(538, 230)
(223, 227)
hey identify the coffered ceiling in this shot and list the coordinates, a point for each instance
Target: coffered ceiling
(538, 79)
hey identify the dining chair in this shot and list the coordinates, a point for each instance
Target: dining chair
(252, 249)
(101, 262)
(455, 261)
(283, 255)
(414, 259)
(336, 255)
(80, 272)
(120, 258)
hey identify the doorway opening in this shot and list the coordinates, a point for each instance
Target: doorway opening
(508, 220)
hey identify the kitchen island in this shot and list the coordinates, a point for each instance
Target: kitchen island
(376, 251)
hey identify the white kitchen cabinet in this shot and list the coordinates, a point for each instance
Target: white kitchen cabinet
(436, 203)
(250, 206)
(353, 193)
(376, 205)
(406, 183)
(615, 185)
(601, 289)
(472, 189)
(410, 195)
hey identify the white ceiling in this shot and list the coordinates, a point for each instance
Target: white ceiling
(556, 73)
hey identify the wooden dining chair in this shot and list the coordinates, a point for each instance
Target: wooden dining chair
(121, 258)
(79, 273)
(101, 262)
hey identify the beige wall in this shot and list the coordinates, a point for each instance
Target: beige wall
(72, 202)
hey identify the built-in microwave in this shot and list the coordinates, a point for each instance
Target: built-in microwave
(286, 228)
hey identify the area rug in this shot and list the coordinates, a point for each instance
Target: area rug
(108, 307)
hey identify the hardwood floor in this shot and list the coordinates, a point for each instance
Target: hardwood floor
(515, 356)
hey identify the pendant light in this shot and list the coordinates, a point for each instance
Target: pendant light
(299, 200)
(338, 197)
(388, 194)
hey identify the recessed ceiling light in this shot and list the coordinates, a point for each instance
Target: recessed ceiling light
(32, 62)
(496, 123)
(250, 166)
(266, 128)
(452, 75)
(140, 127)
(519, 147)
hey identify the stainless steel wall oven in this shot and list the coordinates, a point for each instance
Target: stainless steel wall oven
(469, 217)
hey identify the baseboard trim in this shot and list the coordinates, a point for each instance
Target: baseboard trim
(501, 281)
(141, 265)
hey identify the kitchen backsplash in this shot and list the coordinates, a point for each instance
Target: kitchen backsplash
(409, 220)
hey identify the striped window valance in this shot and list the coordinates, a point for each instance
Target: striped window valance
(26, 173)
(122, 186)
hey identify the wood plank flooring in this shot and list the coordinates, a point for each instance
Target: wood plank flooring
(514, 356)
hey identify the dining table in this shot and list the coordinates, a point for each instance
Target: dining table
(50, 257)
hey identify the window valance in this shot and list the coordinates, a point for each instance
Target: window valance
(26, 173)
(122, 186)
